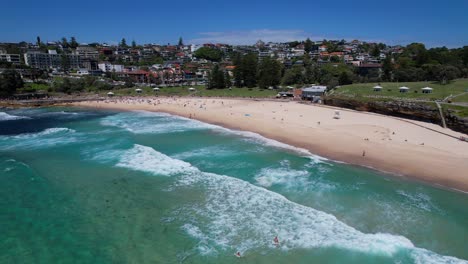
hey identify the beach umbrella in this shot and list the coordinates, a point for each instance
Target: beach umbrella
(191, 89)
(110, 94)
(156, 89)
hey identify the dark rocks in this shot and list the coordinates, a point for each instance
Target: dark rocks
(405, 109)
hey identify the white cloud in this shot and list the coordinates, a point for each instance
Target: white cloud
(249, 37)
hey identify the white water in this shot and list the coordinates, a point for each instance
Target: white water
(47, 138)
(239, 216)
(145, 122)
(6, 117)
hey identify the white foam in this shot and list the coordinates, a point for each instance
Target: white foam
(282, 176)
(47, 138)
(243, 216)
(143, 122)
(419, 200)
(219, 151)
(237, 215)
(7, 117)
(46, 132)
(142, 158)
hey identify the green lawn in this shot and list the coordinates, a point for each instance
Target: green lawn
(392, 90)
(199, 91)
(460, 111)
(34, 86)
(461, 98)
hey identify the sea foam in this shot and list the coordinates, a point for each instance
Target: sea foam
(7, 117)
(239, 216)
(145, 122)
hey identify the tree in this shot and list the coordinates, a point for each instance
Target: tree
(269, 73)
(208, 54)
(293, 76)
(238, 71)
(418, 52)
(216, 78)
(65, 62)
(344, 78)
(181, 42)
(387, 67)
(10, 80)
(227, 79)
(308, 45)
(464, 55)
(123, 43)
(134, 45)
(446, 73)
(375, 52)
(65, 44)
(249, 70)
(73, 43)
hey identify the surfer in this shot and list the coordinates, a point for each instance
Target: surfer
(238, 254)
(276, 241)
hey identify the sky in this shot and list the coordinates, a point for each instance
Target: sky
(434, 23)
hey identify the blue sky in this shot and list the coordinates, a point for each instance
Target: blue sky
(435, 23)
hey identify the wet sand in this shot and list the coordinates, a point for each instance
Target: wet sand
(413, 149)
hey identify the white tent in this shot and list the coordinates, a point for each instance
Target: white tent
(110, 94)
(156, 89)
(404, 89)
(138, 90)
(191, 89)
(427, 90)
(377, 88)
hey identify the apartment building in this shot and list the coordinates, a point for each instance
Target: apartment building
(41, 60)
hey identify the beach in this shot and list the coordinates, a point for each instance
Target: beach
(417, 150)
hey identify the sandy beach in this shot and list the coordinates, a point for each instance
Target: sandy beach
(417, 150)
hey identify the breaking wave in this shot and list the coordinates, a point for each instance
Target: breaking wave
(47, 138)
(7, 117)
(238, 216)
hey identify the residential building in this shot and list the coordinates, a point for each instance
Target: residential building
(12, 58)
(87, 52)
(108, 67)
(41, 60)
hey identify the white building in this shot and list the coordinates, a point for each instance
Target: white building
(82, 72)
(12, 58)
(108, 67)
(41, 60)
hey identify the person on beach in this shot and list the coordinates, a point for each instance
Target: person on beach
(363, 153)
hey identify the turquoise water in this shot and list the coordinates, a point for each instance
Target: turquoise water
(81, 186)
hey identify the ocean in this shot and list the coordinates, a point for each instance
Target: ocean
(86, 186)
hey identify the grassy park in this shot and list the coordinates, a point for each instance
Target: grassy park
(440, 92)
(199, 91)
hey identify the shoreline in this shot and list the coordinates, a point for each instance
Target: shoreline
(363, 139)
